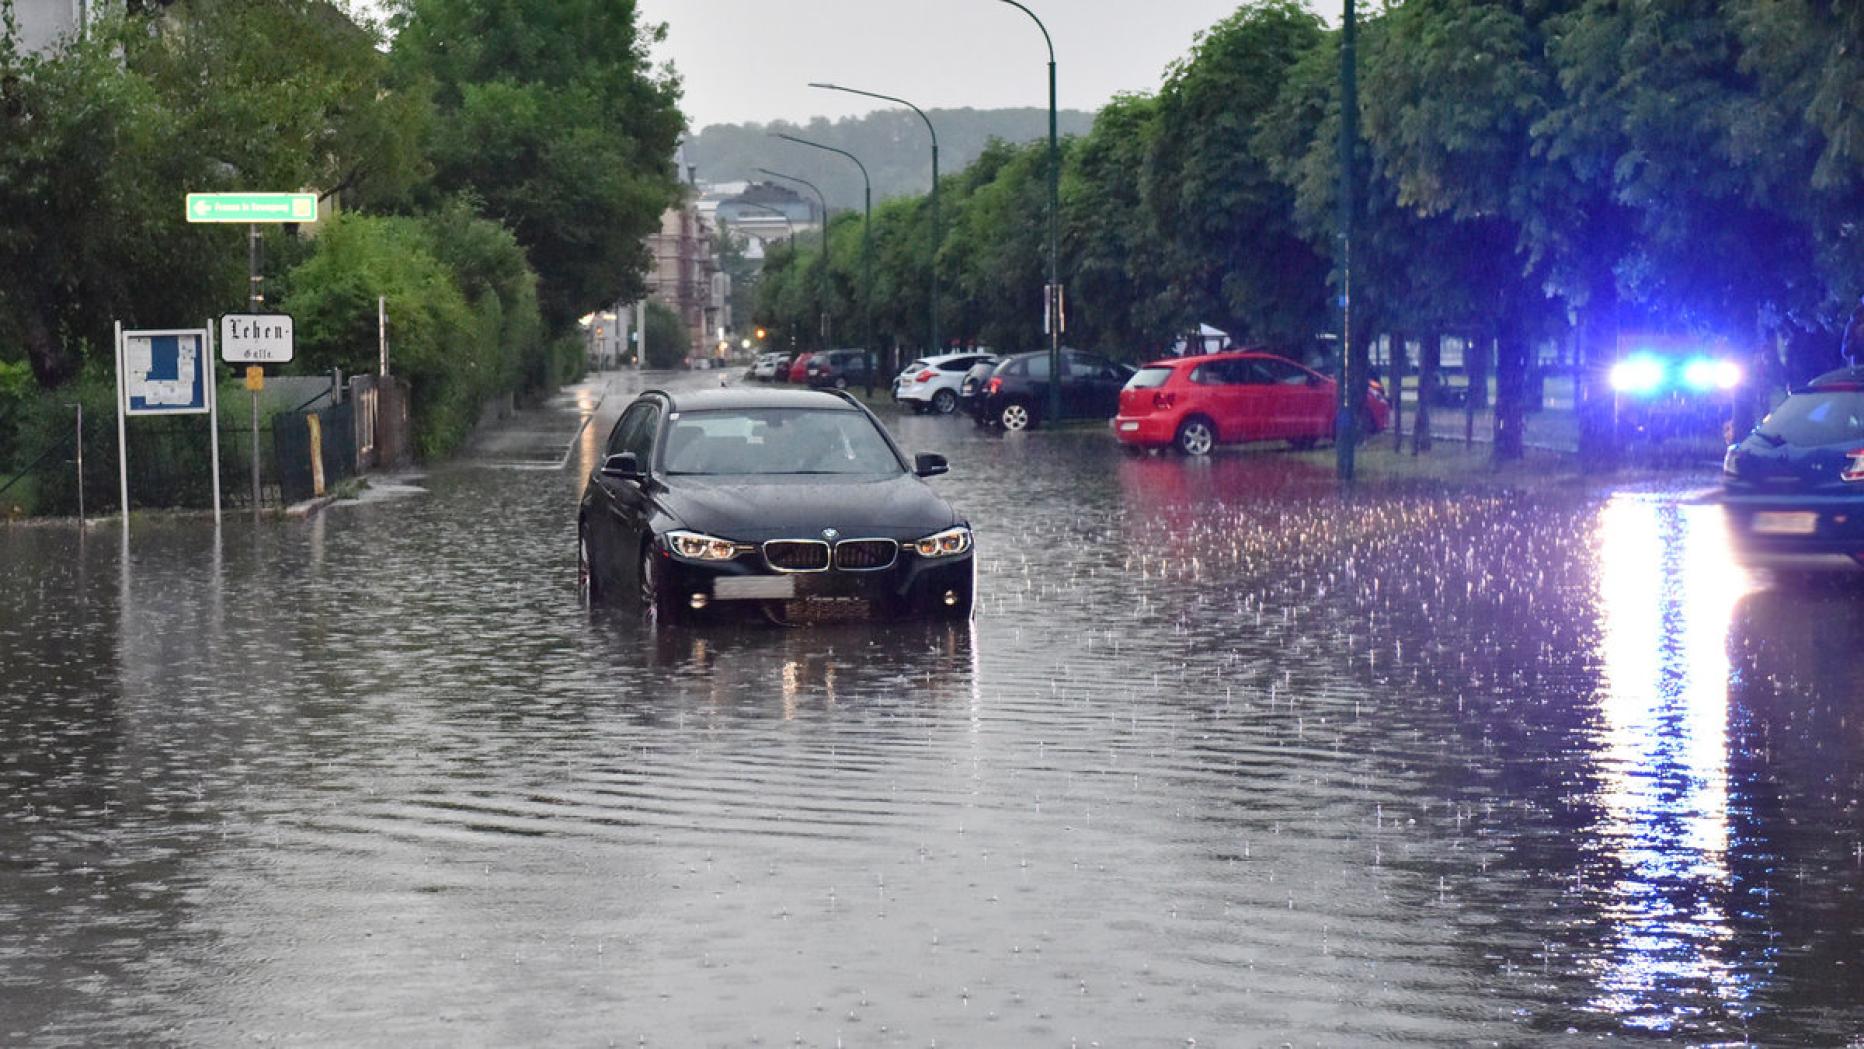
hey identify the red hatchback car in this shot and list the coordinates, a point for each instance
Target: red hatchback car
(1197, 403)
(799, 369)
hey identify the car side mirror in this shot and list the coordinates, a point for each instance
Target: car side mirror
(930, 464)
(623, 467)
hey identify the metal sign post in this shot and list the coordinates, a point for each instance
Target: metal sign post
(253, 209)
(213, 419)
(122, 438)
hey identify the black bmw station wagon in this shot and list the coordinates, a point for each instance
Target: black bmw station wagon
(791, 504)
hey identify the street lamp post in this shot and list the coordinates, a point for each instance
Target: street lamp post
(1052, 298)
(778, 212)
(1352, 372)
(825, 255)
(867, 264)
(936, 238)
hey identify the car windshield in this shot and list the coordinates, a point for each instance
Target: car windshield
(1146, 377)
(1819, 417)
(766, 441)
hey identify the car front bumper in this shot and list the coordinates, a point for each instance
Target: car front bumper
(912, 587)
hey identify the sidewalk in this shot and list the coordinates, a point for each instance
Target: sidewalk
(1554, 428)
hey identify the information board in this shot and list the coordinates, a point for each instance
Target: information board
(165, 372)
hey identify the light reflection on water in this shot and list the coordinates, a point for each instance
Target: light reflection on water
(1668, 588)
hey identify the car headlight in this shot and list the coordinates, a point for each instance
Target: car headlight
(699, 547)
(944, 544)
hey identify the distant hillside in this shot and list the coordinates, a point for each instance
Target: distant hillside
(892, 143)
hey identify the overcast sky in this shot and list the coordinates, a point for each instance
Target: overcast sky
(750, 60)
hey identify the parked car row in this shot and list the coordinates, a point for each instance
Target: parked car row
(1190, 403)
(931, 384)
(837, 369)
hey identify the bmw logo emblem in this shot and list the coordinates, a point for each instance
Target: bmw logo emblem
(830, 533)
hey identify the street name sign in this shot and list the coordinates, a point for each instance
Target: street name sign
(252, 207)
(256, 338)
(165, 372)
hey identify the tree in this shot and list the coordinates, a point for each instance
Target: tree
(569, 145)
(1235, 256)
(1449, 113)
(100, 142)
(668, 341)
(1113, 254)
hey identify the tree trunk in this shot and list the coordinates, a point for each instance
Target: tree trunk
(52, 365)
(1476, 362)
(1394, 388)
(1593, 400)
(1476, 394)
(1429, 361)
(1511, 351)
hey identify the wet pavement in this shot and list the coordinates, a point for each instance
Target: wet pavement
(1227, 758)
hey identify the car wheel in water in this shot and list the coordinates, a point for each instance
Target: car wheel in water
(588, 587)
(1196, 436)
(1015, 416)
(945, 402)
(654, 603)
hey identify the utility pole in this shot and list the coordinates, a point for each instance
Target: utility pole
(1352, 371)
(255, 302)
(1052, 302)
(932, 252)
(826, 341)
(867, 255)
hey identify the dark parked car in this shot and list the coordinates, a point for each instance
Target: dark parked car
(971, 387)
(793, 504)
(1016, 396)
(1794, 488)
(839, 369)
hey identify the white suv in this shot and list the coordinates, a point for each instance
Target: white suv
(930, 384)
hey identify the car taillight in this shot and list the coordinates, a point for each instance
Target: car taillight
(1164, 400)
(995, 386)
(1855, 471)
(925, 376)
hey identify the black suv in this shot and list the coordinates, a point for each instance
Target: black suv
(840, 369)
(1016, 395)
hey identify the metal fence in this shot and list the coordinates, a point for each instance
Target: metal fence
(304, 452)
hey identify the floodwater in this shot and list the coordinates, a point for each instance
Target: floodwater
(1226, 759)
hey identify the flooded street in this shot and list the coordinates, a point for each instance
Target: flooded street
(1227, 758)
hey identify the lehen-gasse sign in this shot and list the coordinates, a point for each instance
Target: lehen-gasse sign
(256, 338)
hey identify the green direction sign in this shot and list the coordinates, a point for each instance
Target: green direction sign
(252, 207)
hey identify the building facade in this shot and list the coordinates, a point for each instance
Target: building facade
(44, 24)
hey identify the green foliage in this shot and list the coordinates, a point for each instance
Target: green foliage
(567, 144)
(668, 341)
(444, 343)
(1235, 255)
(102, 140)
